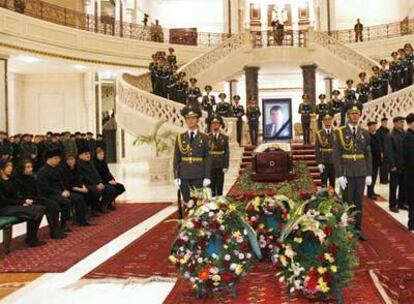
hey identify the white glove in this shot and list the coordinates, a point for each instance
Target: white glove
(342, 181)
(368, 181)
(178, 183)
(225, 170)
(206, 182)
(321, 168)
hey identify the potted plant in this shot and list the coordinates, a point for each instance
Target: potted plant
(162, 142)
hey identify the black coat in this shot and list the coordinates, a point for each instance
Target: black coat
(103, 170)
(5, 148)
(393, 152)
(49, 181)
(8, 194)
(71, 177)
(408, 154)
(382, 133)
(89, 173)
(375, 149)
(25, 185)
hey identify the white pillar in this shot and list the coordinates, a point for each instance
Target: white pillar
(328, 87)
(4, 123)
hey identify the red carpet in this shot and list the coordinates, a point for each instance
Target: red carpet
(144, 258)
(59, 255)
(390, 246)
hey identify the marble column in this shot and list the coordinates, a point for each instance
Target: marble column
(309, 81)
(4, 126)
(328, 87)
(252, 82)
(232, 88)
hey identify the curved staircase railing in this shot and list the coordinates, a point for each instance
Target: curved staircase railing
(357, 59)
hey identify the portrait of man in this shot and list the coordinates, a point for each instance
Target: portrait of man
(277, 122)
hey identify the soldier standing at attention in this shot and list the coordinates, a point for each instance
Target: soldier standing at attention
(336, 102)
(358, 28)
(382, 134)
(153, 71)
(171, 58)
(306, 109)
(349, 89)
(224, 108)
(376, 83)
(193, 92)
(323, 147)
(192, 162)
(395, 72)
(181, 88)
(238, 111)
(363, 88)
(253, 115)
(353, 161)
(321, 109)
(385, 76)
(219, 153)
(207, 104)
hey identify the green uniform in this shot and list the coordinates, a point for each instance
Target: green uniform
(324, 149)
(219, 153)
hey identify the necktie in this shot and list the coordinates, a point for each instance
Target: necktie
(191, 137)
(354, 133)
(328, 132)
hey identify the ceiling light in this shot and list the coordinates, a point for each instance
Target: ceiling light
(27, 59)
(79, 66)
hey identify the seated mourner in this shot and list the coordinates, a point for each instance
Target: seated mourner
(25, 183)
(103, 170)
(12, 205)
(104, 194)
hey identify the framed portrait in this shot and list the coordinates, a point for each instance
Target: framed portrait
(277, 119)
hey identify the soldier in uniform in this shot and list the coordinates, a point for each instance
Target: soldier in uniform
(207, 104)
(408, 154)
(385, 76)
(395, 72)
(253, 115)
(238, 112)
(358, 28)
(409, 57)
(363, 88)
(192, 161)
(306, 110)
(171, 58)
(353, 160)
(321, 109)
(323, 147)
(376, 83)
(349, 89)
(193, 92)
(224, 108)
(181, 91)
(337, 103)
(404, 69)
(153, 68)
(219, 153)
(172, 86)
(382, 134)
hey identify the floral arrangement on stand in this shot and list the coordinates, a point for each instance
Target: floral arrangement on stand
(215, 246)
(317, 252)
(268, 216)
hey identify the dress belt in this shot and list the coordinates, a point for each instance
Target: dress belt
(192, 159)
(353, 156)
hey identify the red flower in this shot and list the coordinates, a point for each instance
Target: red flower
(321, 257)
(327, 278)
(197, 224)
(203, 274)
(227, 276)
(333, 248)
(201, 244)
(313, 280)
(328, 230)
(244, 246)
(214, 225)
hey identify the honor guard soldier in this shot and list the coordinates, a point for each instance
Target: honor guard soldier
(152, 68)
(238, 112)
(404, 69)
(408, 154)
(224, 108)
(207, 104)
(253, 115)
(409, 58)
(395, 72)
(323, 146)
(219, 153)
(193, 92)
(353, 161)
(349, 89)
(181, 90)
(306, 110)
(363, 88)
(321, 109)
(171, 58)
(385, 76)
(192, 161)
(336, 102)
(172, 86)
(376, 83)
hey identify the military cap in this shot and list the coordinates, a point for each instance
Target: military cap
(182, 74)
(398, 118)
(371, 122)
(322, 96)
(375, 68)
(222, 95)
(349, 81)
(50, 153)
(362, 74)
(236, 97)
(305, 96)
(77, 133)
(336, 92)
(410, 118)
(353, 107)
(384, 119)
(191, 111)
(328, 115)
(209, 87)
(185, 83)
(394, 54)
(171, 49)
(383, 61)
(192, 79)
(83, 149)
(215, 118)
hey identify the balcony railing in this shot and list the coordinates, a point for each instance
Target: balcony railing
(270, 38)
(382, 31)
(109, 26)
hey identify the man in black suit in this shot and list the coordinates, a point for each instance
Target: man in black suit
(408, 154)
(382, 133)
(278, 127)
(376, 157)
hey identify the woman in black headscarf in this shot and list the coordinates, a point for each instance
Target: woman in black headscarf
(25, 183)
(11, 204)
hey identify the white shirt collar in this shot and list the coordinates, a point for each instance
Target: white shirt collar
(194, 131)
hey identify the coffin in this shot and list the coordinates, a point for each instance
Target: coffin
(273, 165)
